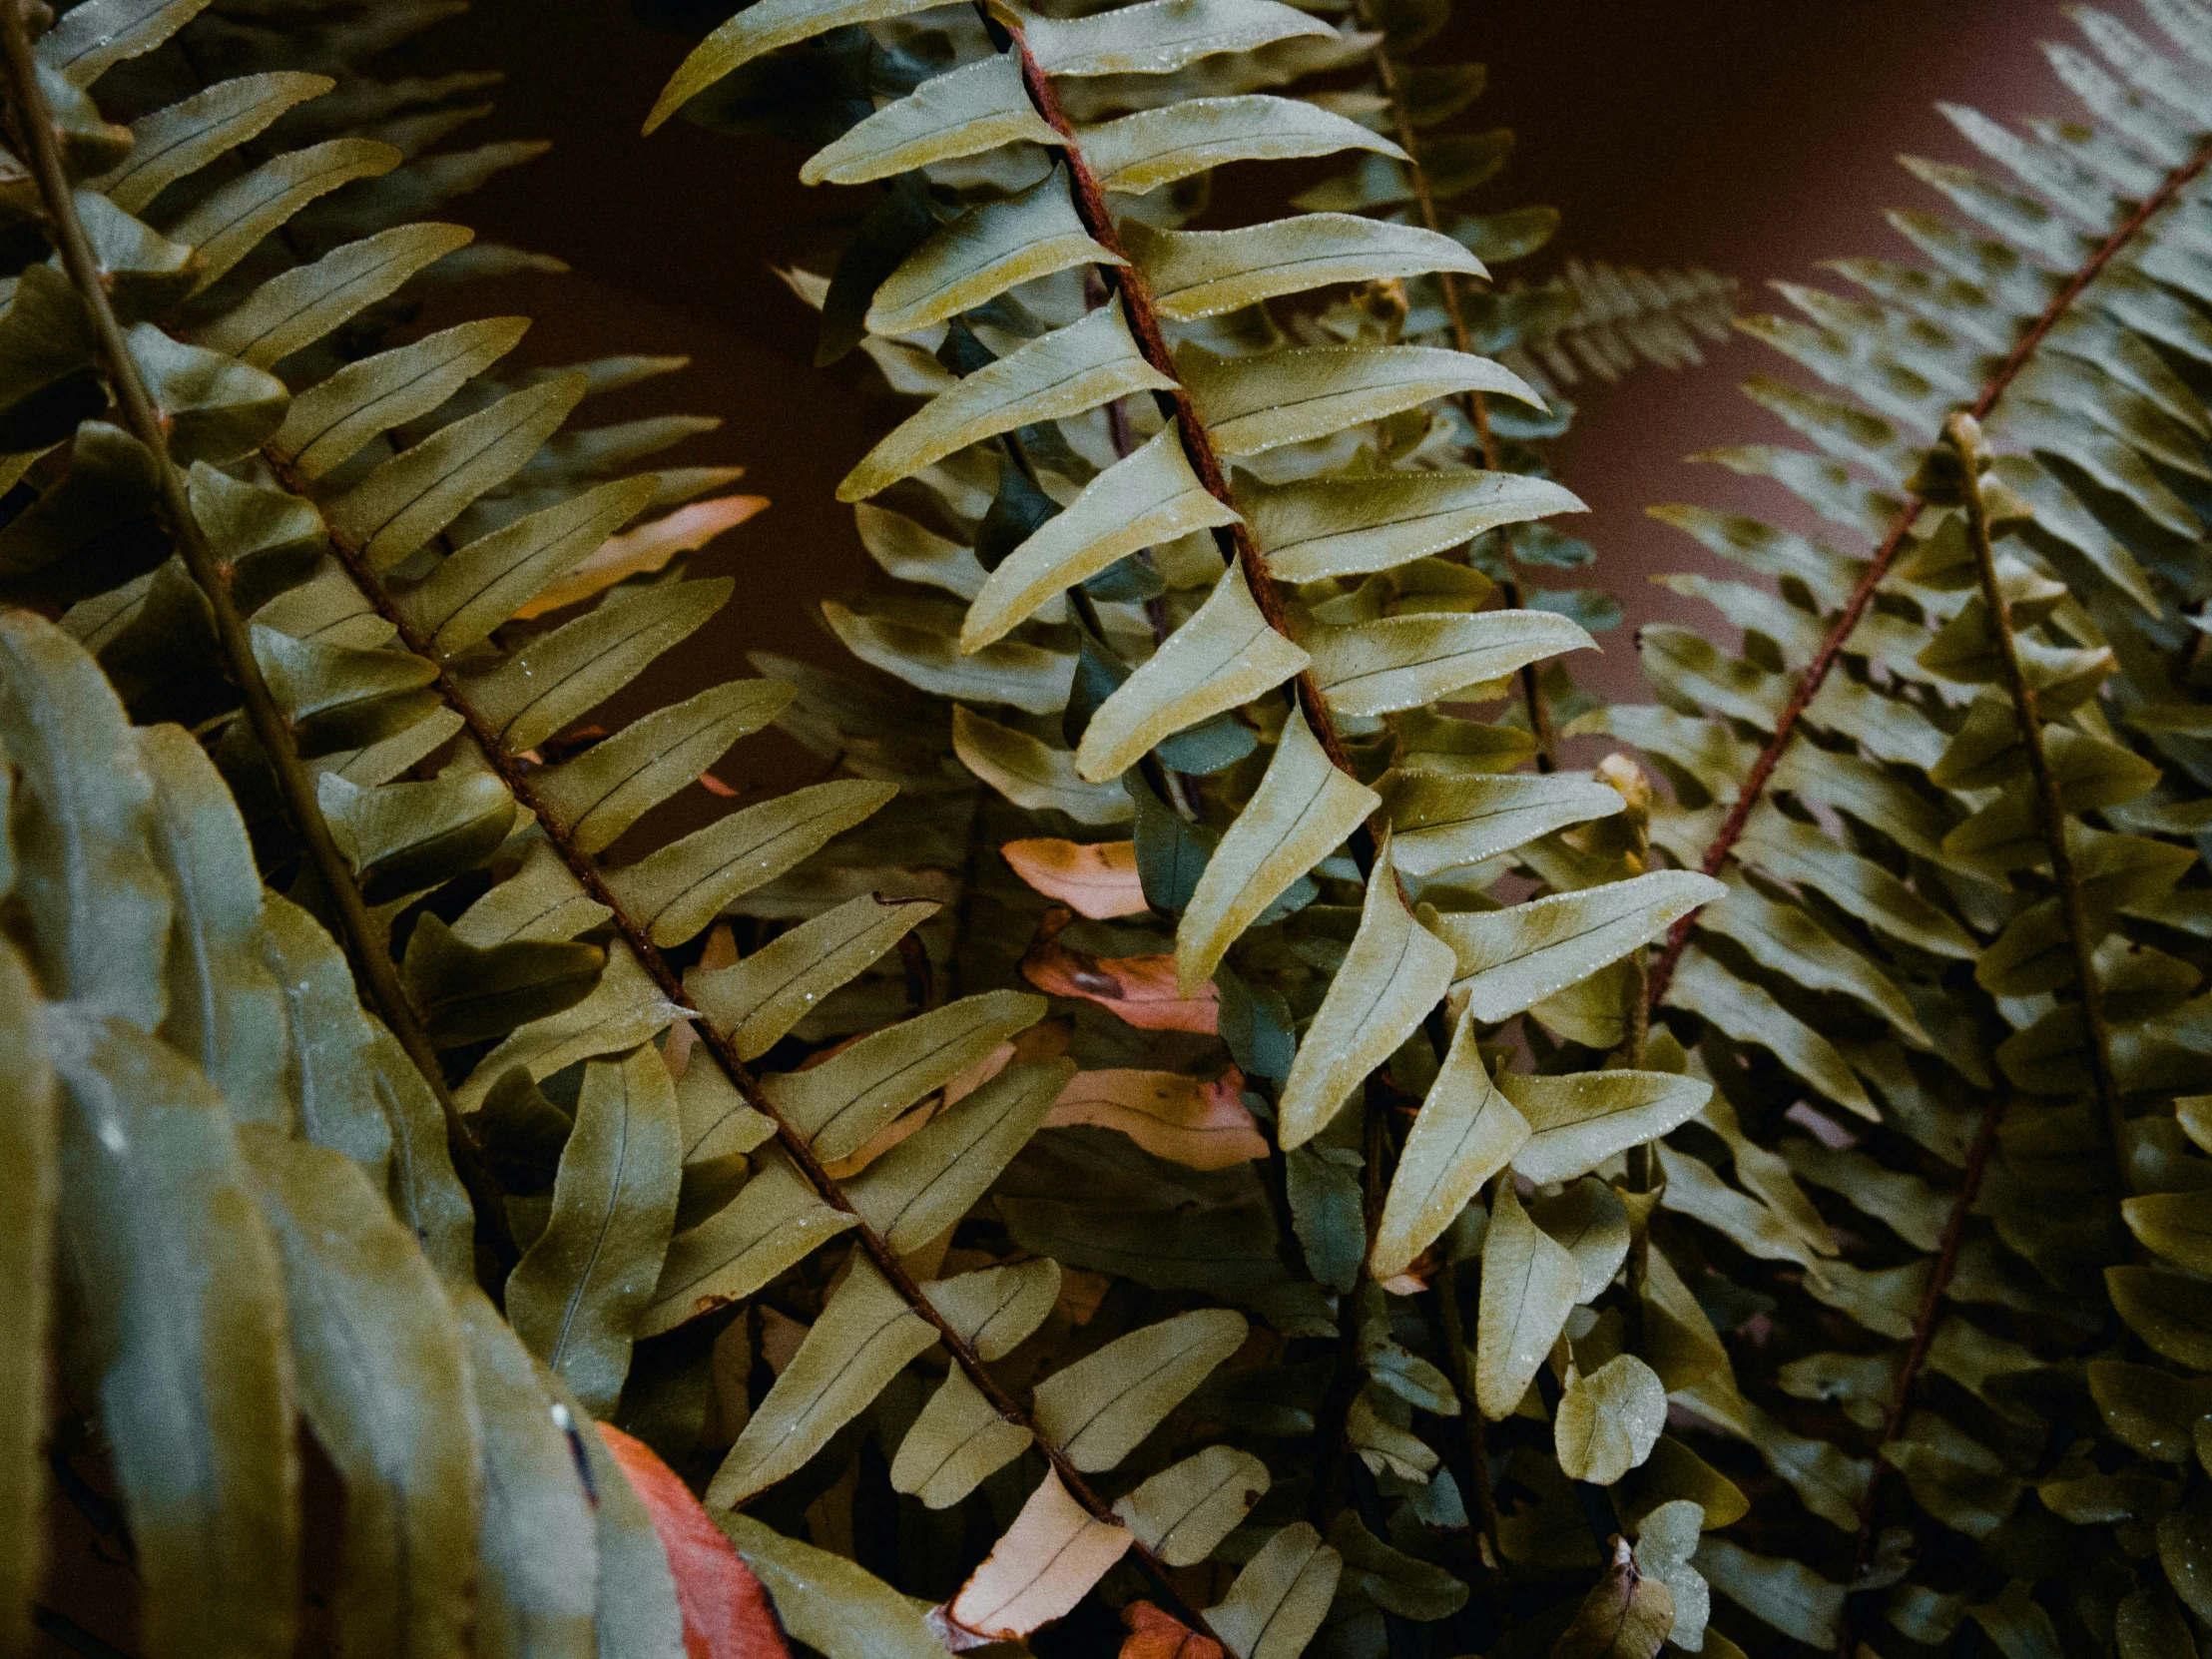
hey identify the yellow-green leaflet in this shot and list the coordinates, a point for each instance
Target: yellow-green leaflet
(81, 828)
(327, 424)
(1440, 821)
(1159, 37)
(826, 1601)
(756, 1001)
(958, 1438)
(558, 676)
(986, 251)
(225, 1010)
(1785, 939)
(540, 1566)
(1665, 1541)
(717, 1123)
(173, 143)
(1252, 404)
(1513, 959)
(230, 222)
(1394, 972)
(184, 1320)
(1182, 1512)
(1223, 656)
(993, 1309)
(928, 1181)
(975, 108)
(761, 29)
(841, 1104)
(304, 304)
(1103, 1405)
(1578, 1121)
(1318, 527)
(914, 553)
(576, 1295)
(1591, 1219)
(1750, 1014)
(472, 591)
(1465, 1132)
(1529, 1285)
(775, 1220)
(384, 1383)
(677, 891)
(865, 1337)
(1031, 772)
(92, 39)
(29, 1136)
(609, 787)
(1141, 152)
(1609, 1421)
(541, 901)
(1065, 372)
(1401, 662)
(1199, 274)
(1148, 496)
(1301, 813)
(1028, 676)
(1280, 1598)
(418, 493)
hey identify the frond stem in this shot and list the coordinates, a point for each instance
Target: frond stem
(2050, 810)
(1817, 670)
(1144, 327)
(1916, 1355)
(371, 954)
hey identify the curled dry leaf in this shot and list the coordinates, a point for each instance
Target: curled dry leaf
(1184, 1119)
(725, 1612)
(1100, 880)
(1141, 990)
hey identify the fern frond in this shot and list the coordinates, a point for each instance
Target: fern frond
(1959, 860)
(1179, 526)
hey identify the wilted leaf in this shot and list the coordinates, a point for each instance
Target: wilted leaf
(1626, 1616)
(1139, 990)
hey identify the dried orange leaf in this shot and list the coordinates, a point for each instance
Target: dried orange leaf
(1157, 1635)
(646, 549)
(1184, 1119)
(1141, 990)
(1100, 880)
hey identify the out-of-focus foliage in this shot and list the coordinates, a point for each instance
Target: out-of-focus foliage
(1954, 1004)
